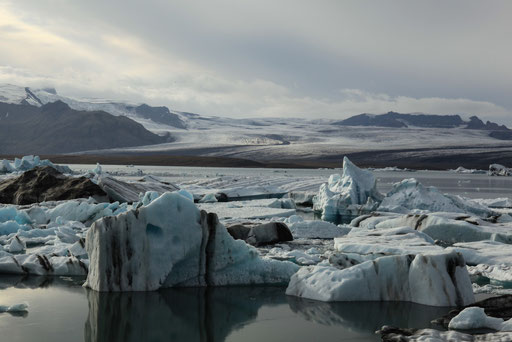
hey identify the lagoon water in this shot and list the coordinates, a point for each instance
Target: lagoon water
(62, 310)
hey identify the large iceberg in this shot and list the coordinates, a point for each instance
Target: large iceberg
(437, 280)
(353, 192)
(170, 242)
(410, 194)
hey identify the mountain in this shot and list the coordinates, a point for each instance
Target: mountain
(393, 119)
(142, 113)
(398, 120)
(56, 128)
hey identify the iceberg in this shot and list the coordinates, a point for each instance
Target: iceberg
(170, 242)
(475, 318)
(352, 193)
(499, 170)
(436, 280)
(28, 163)
(409, 195)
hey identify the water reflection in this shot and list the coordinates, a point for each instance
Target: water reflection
(191, 314)
(212, 314)
(367, 316)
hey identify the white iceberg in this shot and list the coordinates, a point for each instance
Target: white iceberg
(475, 318)
(28, 163)
(436, 280)
(353, 192)
(170, 242)
(409, 195)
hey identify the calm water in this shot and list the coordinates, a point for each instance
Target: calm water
(61, 310)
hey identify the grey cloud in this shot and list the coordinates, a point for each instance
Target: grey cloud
(418, 50)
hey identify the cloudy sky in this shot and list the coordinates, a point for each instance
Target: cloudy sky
(313, 59)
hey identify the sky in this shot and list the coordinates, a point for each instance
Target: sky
(279, 58)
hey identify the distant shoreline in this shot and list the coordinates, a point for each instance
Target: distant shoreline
(415, 159)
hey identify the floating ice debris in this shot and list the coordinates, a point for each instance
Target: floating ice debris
(23, 307)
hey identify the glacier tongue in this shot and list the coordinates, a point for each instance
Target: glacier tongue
(171, 243)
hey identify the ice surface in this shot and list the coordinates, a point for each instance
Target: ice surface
(364, 244)
(255, 209)
(317, 230)
(178, 245)
(437, 280)
(354, 192)
(448, 227)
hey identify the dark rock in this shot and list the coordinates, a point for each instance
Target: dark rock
(47, 184)
(221, 197)
(239, 231)
(263, 234)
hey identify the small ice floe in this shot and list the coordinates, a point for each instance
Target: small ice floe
(16, 308)
(475, 318)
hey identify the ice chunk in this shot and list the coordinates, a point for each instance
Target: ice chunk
(499, 170)
(410, 194)
(437, 280)
(474, 318)
(16, 245)
(208, 198)
(351, 193)
(171, 243)
(23, 307)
